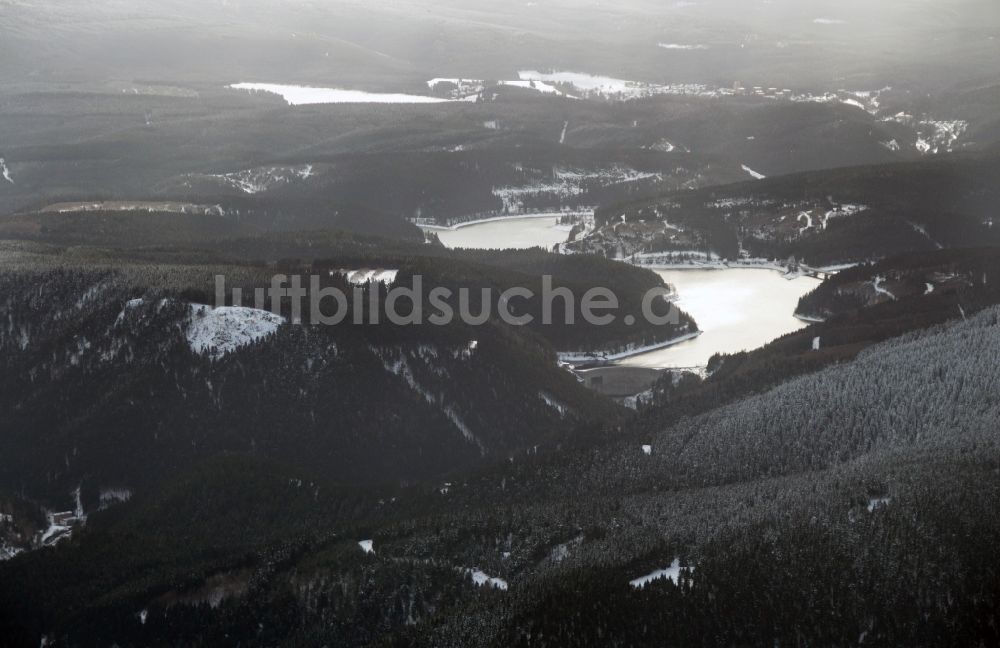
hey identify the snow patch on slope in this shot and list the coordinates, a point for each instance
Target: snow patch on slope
(255, 181)
(877, 502)
(5, 171)
(218, 331)
(464, 429)
(554, 404)
(112, 496)
(680, 46)
(481, 579)
(671, 573)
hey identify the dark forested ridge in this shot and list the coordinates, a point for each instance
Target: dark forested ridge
(194, 224)
(953, 281)
(203, 246)
(108, 382)
(823, 217)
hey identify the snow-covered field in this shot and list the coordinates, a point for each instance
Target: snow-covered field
(305, 95)
(591, 85)
(537, 86)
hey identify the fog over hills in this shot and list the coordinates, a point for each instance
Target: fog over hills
(814, 43)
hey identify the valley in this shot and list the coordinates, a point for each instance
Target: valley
(459, 323)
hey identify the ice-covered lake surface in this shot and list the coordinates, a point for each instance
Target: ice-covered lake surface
(737, 309)
(508, 233)
(304, 95)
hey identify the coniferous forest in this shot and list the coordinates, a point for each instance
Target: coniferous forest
(785, 431)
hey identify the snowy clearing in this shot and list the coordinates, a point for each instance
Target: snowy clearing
(218, 331)
(754, 174)
(367, 275)
(671, 573)
(878, 502)
(538, 86)
(305, 95)
(367, 546)
(481, 579)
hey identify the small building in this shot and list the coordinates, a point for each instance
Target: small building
(64, 518)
